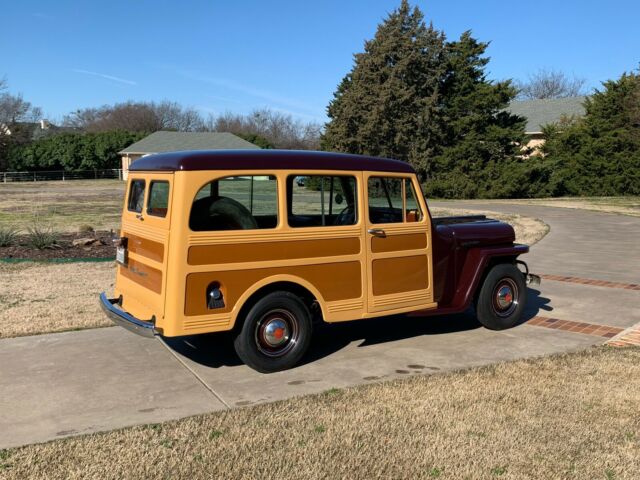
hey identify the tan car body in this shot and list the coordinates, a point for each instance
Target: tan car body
(350, 272)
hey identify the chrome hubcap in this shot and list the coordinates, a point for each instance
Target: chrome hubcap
(276, 333)
(505, 297)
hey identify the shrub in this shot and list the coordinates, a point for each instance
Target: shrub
(8, 236)
(41, 236)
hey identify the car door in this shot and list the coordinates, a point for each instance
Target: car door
(146, 220)
(399, 253)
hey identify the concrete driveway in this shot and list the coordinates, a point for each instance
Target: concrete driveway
(56, 385)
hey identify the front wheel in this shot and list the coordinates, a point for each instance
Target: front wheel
(502, 297)
(275, 334)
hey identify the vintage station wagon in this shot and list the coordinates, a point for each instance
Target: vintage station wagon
(264, 243)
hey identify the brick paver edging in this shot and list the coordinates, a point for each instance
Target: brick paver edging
(627, 338)
(588, 281)
(605, 331)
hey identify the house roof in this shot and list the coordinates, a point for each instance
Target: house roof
(174, 141)
(266, 160)
(542, 112)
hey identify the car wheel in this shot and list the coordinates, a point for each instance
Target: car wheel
(502, 298)
(275, 333)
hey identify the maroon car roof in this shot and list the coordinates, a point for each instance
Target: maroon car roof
(265, 160)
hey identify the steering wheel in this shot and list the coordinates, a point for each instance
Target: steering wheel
(346, 216)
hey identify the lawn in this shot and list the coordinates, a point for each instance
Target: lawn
(621, 205)
(572, 416)
(65, 206)
(40, 298)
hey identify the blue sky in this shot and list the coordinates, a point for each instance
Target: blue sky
(221, 56)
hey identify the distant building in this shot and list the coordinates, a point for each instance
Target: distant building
(33, 130)
(159, 142)
(543, 112)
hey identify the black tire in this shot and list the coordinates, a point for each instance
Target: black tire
(277, 316)
(502, 297)
(234, 215)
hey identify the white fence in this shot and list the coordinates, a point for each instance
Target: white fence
(44, 176)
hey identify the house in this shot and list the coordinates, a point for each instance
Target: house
(541, 112)
(32, 131)
(159, 142)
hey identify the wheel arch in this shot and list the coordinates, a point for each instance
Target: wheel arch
(288, 283)
(490, 262)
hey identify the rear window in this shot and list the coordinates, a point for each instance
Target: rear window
(236, 203)
(136, 196)
(158, 198)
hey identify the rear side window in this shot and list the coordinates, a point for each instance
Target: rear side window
(392, 200)
(136, 196)
(318, 200)
(236, 203)
(158, 203)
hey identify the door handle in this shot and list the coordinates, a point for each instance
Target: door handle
(140, 217)
(377, 232)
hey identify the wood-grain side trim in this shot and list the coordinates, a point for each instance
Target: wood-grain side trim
(334, 281)
(143, 275)
(272, 251)
(143, 246)
(409, 273)
(397, 243)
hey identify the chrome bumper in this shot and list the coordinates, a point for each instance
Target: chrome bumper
(532, 279)
(123, 319)
(529, 278)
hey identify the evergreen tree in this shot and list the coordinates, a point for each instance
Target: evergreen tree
(415, 97)
(73, 151)
(600, 153)
(479, 137)
(388, 104)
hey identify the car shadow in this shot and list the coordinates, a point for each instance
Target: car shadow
(535, 303)
(216, 350)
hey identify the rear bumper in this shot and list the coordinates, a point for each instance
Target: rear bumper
(146, 328)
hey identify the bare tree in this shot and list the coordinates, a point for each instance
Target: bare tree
(136, 117)
(14, 108)
(280, 129)
(548, 83)
(15, 111)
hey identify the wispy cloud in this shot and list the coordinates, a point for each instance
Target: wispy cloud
(42, 16)
(290, 105)
(104, 75)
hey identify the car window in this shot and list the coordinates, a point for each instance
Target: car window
(158, 198)
(319, 200)
(392, 200)
(136, 196)
(244, 202)
(385, 199)
(412, 207)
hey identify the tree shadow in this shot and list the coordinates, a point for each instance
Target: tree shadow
(216, 350)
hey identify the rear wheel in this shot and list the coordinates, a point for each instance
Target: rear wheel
(502, 298)
(275, 334)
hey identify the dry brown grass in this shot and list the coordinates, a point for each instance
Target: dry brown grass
(573, 416)
(619, 205)
(39, 297)
(528, 230)
(62, 205)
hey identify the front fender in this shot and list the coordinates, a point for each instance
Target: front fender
(476, 262)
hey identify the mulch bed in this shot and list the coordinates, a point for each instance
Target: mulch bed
(64, 248)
